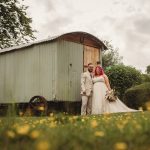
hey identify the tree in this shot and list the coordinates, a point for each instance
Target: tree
(15, 26)
(148, 69)
(111, 56)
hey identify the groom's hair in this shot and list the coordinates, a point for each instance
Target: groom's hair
(98, 62)
(90, 64)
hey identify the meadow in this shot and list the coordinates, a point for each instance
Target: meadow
(120, 131)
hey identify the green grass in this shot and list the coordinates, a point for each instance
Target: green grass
(122, 131)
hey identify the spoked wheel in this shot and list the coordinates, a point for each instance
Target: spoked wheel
(39, 105)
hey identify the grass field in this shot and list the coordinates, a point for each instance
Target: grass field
(123, 131)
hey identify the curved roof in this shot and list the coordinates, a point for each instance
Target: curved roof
(82, 38)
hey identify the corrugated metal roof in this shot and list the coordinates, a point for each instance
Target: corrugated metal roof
(28, 44)
(50, 39)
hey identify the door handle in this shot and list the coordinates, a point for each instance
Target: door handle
(70, 65)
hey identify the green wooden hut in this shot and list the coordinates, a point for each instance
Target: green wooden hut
(50, 68)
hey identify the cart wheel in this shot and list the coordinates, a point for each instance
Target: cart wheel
(38, 104)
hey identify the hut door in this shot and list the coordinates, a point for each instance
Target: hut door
(75, 70)
(91, 55)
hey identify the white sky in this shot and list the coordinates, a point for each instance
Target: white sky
(124, 22)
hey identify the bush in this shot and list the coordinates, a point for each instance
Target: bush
(123, 77)
(138, 96)
(145, 78)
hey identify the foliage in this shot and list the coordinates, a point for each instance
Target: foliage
(138, 96)
(15, 26)
(148, 69)
(145, 77)
(104, 132)
(123, 77)
(111, 56)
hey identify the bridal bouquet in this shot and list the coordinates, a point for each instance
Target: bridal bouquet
(111, 96)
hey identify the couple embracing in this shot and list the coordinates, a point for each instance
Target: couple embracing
(94, 86)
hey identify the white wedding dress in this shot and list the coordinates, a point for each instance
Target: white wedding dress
(100, 105)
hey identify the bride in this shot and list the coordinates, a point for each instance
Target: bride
(100, 87)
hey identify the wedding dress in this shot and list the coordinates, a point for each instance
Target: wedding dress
(100, 105)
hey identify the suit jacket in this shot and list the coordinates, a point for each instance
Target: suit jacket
(86, 83)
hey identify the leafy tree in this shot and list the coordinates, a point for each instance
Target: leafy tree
(15, 25)
(123, 77)
(148, 69)
(111, 56)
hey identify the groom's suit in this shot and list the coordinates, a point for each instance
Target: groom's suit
(86, 92)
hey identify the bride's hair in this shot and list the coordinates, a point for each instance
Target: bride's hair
(101, 71)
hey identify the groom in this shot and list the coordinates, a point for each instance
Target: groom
(86, 90)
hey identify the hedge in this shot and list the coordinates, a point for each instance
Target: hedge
(138, 96)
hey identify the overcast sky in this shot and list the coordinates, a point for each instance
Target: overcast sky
(124, 22)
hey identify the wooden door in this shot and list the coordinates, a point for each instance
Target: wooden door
(91, 55)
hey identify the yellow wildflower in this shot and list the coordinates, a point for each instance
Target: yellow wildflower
(51, 114)
(99, 133)
(75, 117)
(52, 125)
(34, 134)
(43, 145)
(82, 120)
(10, 134)
(23, 130)
(120, 126)
(51, 118)
(20, 113)
(120, 146)
(41, 108)
(71, 119)
(137, 126)
(42, 121)
(94, 123)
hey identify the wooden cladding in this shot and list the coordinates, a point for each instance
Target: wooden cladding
(88, 41)
(91, 55)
